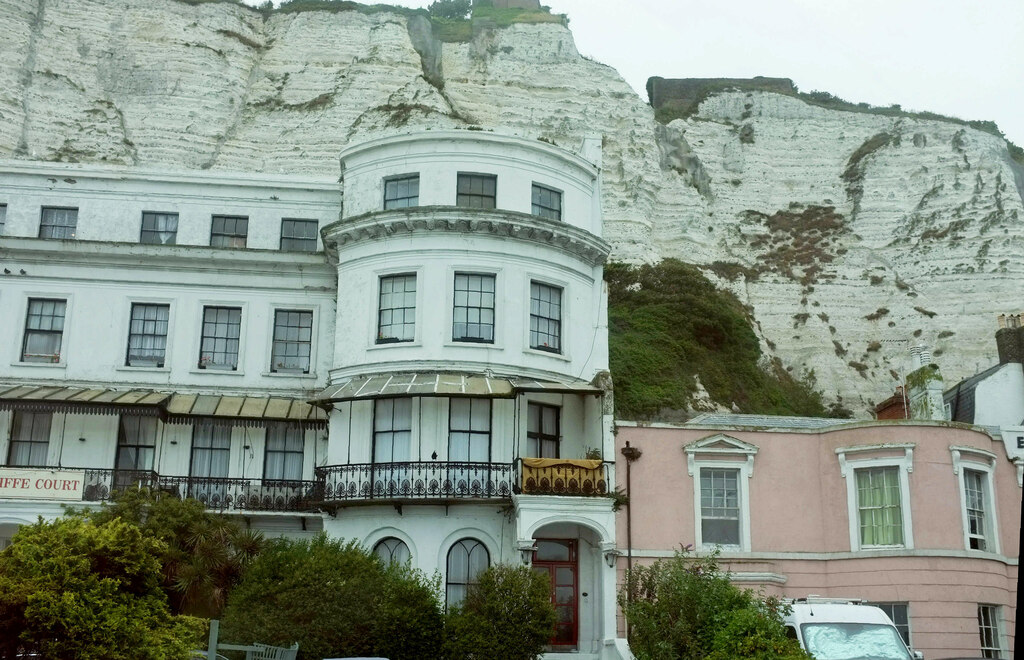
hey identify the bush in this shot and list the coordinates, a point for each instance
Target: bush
(75, 589)
(204, 555)
(507, 616)
(686, 608)
(450, 8)
(334, 599)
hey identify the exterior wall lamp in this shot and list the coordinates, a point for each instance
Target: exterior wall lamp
(526, 550)
(611, 555)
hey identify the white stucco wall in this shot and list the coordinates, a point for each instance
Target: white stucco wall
(999, 399)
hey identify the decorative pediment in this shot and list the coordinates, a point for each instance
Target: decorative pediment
(722, 445)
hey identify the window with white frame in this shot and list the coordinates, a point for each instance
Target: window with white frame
(899, 614)
(159, 228)
(878, 494)
(396, 310)
(229, 231)
(293, 341)
(218, 348)
(721, 467)
(988, 630)
(467, 558)
(58, 222)
(469, 430)
(44, 330)
(30, 439)
(476, 191)
(545, 317)
(547, 202)
(402, 192)
(879, 505)
(284, 452)
(298, 235)
(392, 550)
(473, 312)
(3, 218)
(392, 430)
(147, 335)
(720, 506)
(974, 468)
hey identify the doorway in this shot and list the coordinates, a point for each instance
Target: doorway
(558, 559)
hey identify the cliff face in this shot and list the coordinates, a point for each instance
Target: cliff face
(848, 234)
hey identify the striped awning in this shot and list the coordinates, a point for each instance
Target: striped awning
(242, 410)
(98, 401)
(175, 408)
(378, 386)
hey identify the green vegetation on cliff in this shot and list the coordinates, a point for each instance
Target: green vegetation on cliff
(669, 324)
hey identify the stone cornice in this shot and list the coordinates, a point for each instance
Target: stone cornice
(504, 224)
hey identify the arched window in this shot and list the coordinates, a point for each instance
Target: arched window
(392, 551)
(466, 560)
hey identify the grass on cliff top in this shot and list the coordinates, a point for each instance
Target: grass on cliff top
(460, 30)
(669, 323)
(829, 101)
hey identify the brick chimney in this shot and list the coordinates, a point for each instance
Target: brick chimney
(1010, 338)
(924, 386)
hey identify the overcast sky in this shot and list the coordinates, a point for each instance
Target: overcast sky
(963, 58)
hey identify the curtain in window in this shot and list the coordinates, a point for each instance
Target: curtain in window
(30, 439)
(392, 551)
(878, 501)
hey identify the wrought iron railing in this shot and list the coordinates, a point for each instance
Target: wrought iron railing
(562, 478)
(101, 484)
(229, 494)
(222, 494)
(427, 480)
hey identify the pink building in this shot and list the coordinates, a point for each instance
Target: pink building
(922, 517)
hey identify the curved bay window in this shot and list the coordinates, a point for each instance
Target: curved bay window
(466, 560)
(392, 550)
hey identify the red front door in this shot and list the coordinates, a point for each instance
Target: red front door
(557, 558)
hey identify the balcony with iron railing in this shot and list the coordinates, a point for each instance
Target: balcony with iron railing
(439, 481)
(562, 476)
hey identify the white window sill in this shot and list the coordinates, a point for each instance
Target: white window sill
(394, 344)
(288, 374)
(869, 548)
(217, 372)
(125, 367)
(473, 344)
(45, 365)
(558, 356)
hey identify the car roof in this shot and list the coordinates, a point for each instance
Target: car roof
(836, 613)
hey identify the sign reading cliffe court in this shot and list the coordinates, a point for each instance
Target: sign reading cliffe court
(42, 484)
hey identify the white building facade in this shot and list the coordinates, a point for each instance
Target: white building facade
(415, 359)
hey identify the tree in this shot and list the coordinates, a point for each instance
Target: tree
(507, 616)
(205, 552)
(685, 608)
(450, 8)
(75, 589)
(335, 599)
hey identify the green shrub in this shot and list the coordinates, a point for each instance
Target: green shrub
(668, 323)
(450, 8)
(507, 616)
(75, 589)
(335, 599)
(685, 608)
(204, 553)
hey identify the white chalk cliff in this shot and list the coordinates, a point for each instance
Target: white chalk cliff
(858, 234)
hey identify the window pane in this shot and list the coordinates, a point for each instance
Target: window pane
(974, 496)
(392, 551)
(473, 314)
(402, 192)
(147, 335)
(466, 560)
(30, 439)
(229, 231)
(298, 235)
(542, 433)
(545, 317)
(547, 203)
(159, 228)
(476, 191)
(58, 223)
(720, 506)
(220, 332)
(292, 346)
(396, 320)
(878, 503)
(284, 454)
(44, 330)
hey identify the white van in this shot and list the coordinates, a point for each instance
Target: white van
(845, 629)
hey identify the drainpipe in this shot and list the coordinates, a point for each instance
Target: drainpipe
(631, 454)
